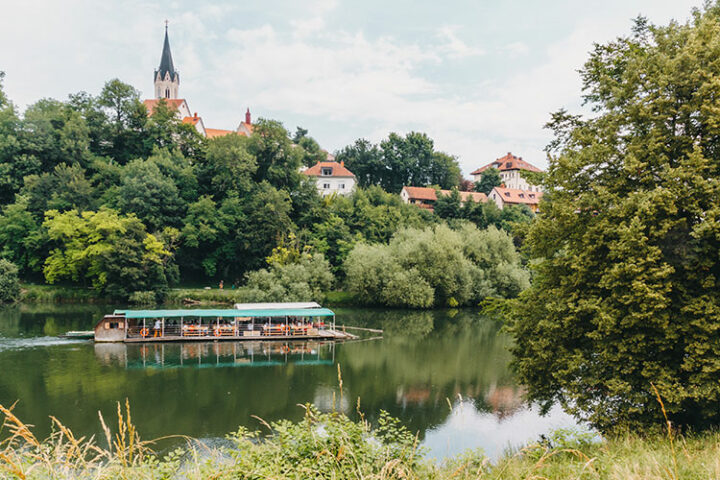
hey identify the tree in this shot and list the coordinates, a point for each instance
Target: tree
(399, 161)
(436, 266)
(126, 118)
(448, 206)
(22, 238)
(113, 252)
(627, 250)
(9, 282)
(490, 179)
(146, 191)
(277, 161)
(307, 279)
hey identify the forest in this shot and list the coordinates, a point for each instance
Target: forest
(95, 192)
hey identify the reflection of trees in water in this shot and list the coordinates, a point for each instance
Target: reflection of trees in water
(48, 319)
(424, 359)
(427, 358)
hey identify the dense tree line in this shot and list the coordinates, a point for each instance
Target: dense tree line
(95, 191)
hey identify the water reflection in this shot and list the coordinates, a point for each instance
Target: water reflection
(426, 363)
(215, 354)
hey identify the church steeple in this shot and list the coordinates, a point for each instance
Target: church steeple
(167, 80)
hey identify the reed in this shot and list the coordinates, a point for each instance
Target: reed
(330, 445)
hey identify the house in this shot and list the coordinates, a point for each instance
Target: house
(425, 197)
(512, 196)
(167, 86)
(332, 177)
(511, 172)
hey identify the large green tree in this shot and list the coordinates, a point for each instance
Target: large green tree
(627, 249)
(112, 252)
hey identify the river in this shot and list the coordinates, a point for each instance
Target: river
(445, 374)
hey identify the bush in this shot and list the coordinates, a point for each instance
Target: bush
(9, 282)
(306, 280)
(436, 266)
(147, 297)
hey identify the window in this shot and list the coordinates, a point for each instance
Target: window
(167, 93)
(508, 164)
(326, 171)
(522, 195)
(342, 186)
(532, 195)
(326, 186)
(507, 194)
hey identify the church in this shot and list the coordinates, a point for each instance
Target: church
(167, 86)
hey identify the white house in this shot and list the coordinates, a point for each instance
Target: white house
(511, 169)
(332, 177)
(512, 196)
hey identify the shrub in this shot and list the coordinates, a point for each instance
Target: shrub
(147, 297)
(9, 282)
(436, 266)
(293, 282)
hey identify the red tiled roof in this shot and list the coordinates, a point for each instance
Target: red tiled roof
(513, 195)
(428, 193)
(191, 120)
(172, 103)
(217, 132)
(421, 193)
(338, 170)
(508, 162)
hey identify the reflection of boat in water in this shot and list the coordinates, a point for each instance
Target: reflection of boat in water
(246, 322)
(216, 354)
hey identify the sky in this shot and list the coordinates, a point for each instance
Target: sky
(480, 77)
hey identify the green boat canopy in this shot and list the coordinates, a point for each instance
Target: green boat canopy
(228, 313)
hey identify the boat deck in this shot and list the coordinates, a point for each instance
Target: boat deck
(322, 335)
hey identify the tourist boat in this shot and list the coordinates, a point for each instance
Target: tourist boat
(262, 321)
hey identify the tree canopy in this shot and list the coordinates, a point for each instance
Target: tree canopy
(627, 250)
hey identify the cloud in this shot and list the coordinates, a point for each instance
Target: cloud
(453, 46)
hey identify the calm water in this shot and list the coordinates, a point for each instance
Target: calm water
(426, 363)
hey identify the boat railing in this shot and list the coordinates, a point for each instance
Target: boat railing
(211, 330)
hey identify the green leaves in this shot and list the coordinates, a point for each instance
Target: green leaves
(626, 250)
(112, 252)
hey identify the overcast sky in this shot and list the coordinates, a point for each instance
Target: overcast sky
(480, 77)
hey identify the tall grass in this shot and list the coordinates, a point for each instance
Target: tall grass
(330, 445)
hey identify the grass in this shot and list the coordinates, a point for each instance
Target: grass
(329, 445)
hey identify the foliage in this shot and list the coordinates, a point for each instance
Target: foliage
(627, 250)
(436, 267)
(301, 281)
(113, 252)
(490, 179)
(400, 161)
(147, 298)
(9, 282)
(330, 445)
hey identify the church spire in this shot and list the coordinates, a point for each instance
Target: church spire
(166, 79)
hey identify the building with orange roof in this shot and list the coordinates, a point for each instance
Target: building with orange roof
(511, 172)
(332, 177)
(167, 87)
(425, 197)
(503, 196)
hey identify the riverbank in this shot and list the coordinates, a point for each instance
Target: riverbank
(329, 445)
(33, 293)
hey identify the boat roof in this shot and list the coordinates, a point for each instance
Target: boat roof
(276, 306)
(228, 313)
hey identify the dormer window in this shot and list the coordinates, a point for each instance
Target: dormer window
(522, 195)
(326, 171)
(507, 194)
(532, 195)
(508, 164)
